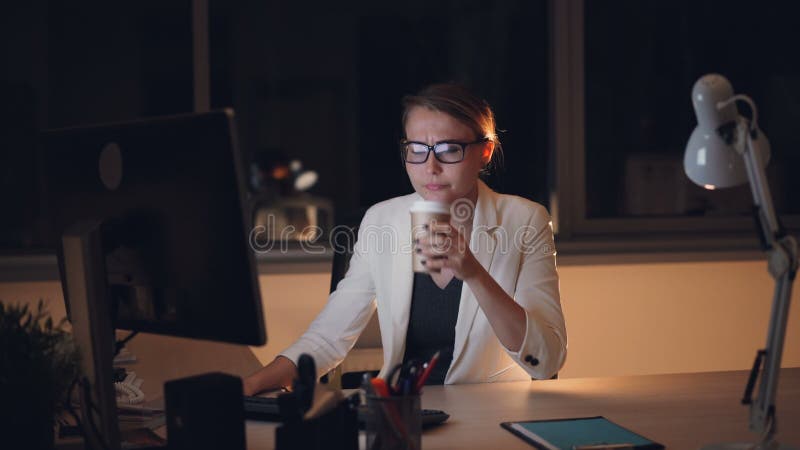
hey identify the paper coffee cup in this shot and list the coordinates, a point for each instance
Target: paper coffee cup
(423, 213)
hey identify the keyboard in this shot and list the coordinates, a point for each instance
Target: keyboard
(265, 409)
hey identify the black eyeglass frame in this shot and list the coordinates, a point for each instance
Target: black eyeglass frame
(431, 149)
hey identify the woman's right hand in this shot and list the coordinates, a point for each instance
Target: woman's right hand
(275, 375)
(249, 386)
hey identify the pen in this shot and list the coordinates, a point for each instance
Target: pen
(402, 375)
(427, 372)
(406, 387)
(414, 372)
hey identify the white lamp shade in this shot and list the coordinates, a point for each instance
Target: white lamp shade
(713, 164)
(709, 161)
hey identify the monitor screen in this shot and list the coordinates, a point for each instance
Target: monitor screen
(170, 197)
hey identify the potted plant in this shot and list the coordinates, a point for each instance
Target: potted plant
(38, 363)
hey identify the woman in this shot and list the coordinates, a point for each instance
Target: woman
(490, 299)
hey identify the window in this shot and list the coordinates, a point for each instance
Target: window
(593, 97)
(624, 71)
(324, 84)
(320, 82)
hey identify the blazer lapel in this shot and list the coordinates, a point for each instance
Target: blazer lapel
(483, 243)
(402, 283)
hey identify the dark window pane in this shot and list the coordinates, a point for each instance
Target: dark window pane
(641, 60)
(324, 85)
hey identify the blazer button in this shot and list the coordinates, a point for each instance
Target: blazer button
(531, 360)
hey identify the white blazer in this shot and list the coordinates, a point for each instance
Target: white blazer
(512, 238)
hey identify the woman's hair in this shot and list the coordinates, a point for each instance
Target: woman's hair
(460, 103)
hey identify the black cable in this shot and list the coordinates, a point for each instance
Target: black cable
(71, 411)
(86, 402)
(747, 398)
(119, 344)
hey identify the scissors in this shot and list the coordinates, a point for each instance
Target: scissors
(406, 375)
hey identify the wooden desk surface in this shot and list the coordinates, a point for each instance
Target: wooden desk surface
(682, 411)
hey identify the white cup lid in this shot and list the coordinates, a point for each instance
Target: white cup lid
(430, 207)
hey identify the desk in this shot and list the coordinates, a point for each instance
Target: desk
(681, 411)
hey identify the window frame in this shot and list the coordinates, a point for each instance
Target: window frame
(585, 235)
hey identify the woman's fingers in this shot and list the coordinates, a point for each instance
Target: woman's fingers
(441, 229)
(441, 241)
(441, 246)
(444, 246)
(435, 263)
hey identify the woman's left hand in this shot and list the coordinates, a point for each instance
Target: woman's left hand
(444, 246)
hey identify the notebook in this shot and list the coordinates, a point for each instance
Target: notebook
(578, 434)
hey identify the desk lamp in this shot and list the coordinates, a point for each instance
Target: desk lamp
(727, 150)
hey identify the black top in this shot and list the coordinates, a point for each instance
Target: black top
(432, 323)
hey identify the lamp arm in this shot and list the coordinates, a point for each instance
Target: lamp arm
(782, 264)
(746, 99)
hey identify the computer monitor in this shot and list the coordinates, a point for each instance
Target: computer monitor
(153, 228)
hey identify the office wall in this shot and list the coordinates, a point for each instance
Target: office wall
(621, 319)
(668, 318)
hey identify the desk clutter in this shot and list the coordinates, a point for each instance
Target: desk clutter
(663, 408)
(205, 412)
(266, 409)
(209, 412)
(315, 417)
(128, 387)
(135, 416)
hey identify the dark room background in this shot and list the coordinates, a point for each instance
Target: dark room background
(317, 81)
(322, 82)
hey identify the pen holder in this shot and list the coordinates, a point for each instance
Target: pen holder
(335, 430)
(394, 422)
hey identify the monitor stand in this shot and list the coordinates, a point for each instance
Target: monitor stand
(86, 296)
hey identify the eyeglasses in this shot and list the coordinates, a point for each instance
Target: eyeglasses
(444, 152)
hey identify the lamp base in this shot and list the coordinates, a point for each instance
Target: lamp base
(748, 446)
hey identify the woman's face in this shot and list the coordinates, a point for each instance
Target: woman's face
(437, 181)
